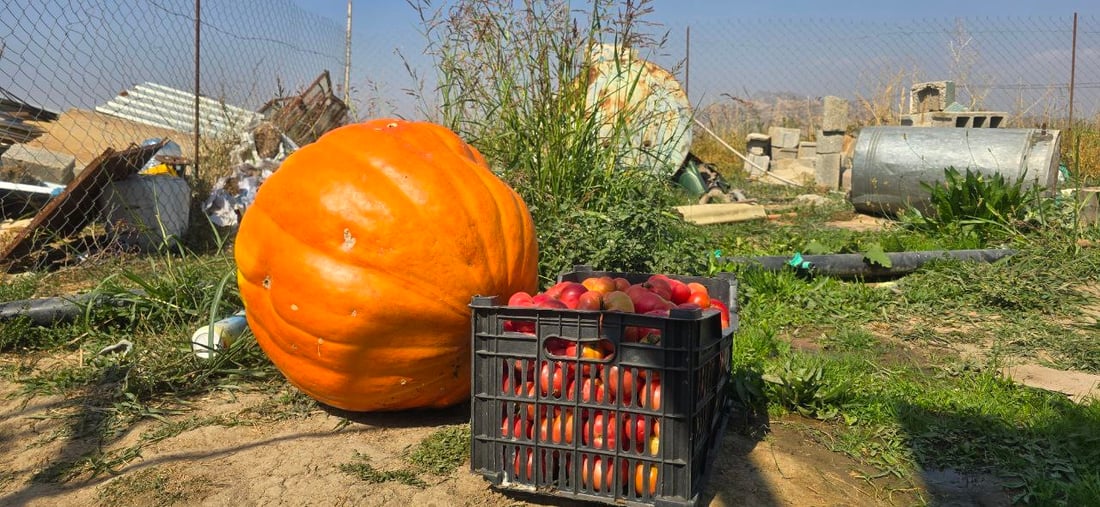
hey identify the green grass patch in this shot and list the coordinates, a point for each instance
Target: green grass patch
(443, 451)
(933, 410)
(361, 468)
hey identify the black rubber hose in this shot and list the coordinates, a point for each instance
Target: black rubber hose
(60, 309)
(46, 311)
(856, 266)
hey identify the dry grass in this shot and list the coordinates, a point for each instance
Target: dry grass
(887, 102)
(1081, 152)
(733, 121)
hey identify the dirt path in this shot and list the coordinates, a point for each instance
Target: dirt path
(293, 460)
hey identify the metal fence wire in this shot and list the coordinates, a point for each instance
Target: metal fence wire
(1018, 66)
(98, 113)
(89, 88)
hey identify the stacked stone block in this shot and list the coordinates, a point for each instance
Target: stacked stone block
(830, 142)
(27, 164)
(784, 143)
(758, 147)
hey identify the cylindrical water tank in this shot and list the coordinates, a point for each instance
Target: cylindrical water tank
(147, 211)
(889, 163)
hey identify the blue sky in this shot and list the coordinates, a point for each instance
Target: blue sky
(380, 26)
(62, 53)
(394, 15)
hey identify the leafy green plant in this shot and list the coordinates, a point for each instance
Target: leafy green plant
(513, 82)
(361, 468)
(632, 235)
(976, 207)
(803, 386)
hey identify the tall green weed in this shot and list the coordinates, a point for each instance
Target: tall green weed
(513, 81)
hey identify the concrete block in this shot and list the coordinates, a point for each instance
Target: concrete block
(807, 149)
(846, 180)
(827, 170)
(1089, 202)
(784, 153)
(943, 120)
(758, 144)
(835, 115)
(763, 162)
(965, 119)
(20, 161)
(931, 97)
(796, 170)
(784, 137)
(829, 142)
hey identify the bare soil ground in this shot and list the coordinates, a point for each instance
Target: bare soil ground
(294, 460)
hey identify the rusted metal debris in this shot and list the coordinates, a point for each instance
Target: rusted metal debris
(305, 117)
(16, 107)
(15, 131)
(14, 113)
(640, 106)
(68, 213)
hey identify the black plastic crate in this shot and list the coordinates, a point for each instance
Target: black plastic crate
(540, 423)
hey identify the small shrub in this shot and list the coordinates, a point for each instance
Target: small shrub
(803, 386)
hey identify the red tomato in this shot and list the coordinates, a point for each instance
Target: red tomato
(640, 481)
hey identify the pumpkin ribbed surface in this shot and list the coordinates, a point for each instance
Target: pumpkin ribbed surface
(359, 256)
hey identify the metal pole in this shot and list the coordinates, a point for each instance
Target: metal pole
(347, 60)
(687, 61)
(198, 23)
(1072, 69)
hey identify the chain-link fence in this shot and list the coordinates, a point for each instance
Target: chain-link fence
(98, 112)
(1017, 66)
(86, 76)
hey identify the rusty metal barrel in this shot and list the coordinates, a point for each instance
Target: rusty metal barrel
(641, 107)
(889, 163)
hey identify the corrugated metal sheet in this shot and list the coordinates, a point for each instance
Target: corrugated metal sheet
(161, 106)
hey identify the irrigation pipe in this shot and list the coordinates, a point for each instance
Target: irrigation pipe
(749, 163)
(855, 266)
(46, 311)
(55, 310)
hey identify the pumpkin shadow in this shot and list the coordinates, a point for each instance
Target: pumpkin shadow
(457, 414)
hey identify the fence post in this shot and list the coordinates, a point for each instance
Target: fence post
(1072, 69)
(347, 60)
(198, 22)
(687, 62)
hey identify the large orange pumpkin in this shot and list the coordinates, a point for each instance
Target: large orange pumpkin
(359, 256)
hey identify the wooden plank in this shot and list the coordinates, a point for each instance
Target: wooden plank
(705, 214)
